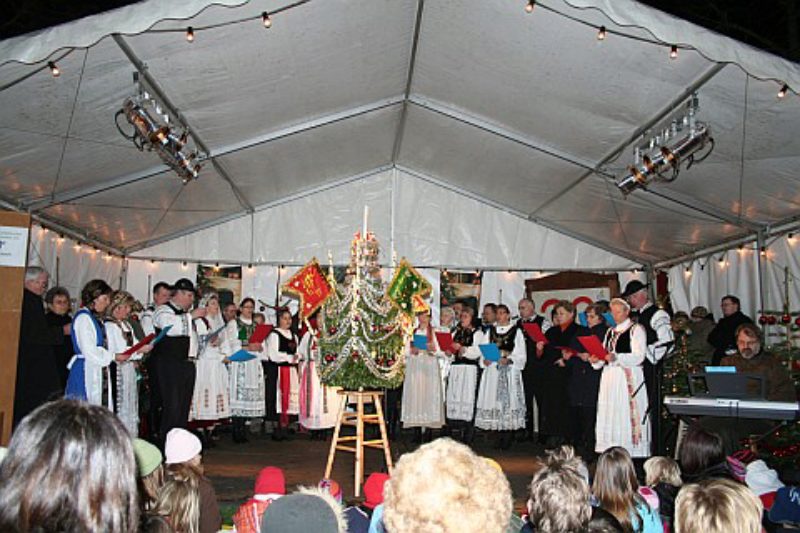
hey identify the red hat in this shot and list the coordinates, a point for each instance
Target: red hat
(270, 481)
(373, 489)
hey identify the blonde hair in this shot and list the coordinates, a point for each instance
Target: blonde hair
(149, 487)
(179, 502)
(662, 470)
(559, 495)
(444, 486)
(616, 487)
(717, 506)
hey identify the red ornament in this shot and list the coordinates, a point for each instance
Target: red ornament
(797, 321)
(772, 320)
(354, 355)
(763, 320)
(786, 319)
(332, 330)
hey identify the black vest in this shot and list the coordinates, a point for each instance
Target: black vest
(623, 341)
(173, 346)
(464, 337)
(645, 318)
(286, 346)
(504, 341)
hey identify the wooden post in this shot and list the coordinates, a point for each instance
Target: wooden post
(12, 276)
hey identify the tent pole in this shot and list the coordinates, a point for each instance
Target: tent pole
(760, 264)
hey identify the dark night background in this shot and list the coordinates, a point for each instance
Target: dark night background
(772, 25)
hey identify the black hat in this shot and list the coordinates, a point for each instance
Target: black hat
(183, 284)
(632, 288)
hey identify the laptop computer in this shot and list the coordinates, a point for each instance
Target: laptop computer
(718, 383)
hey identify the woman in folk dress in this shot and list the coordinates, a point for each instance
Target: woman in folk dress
(622, 402)
(211, 398)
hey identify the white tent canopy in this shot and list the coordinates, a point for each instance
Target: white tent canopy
(479, 135)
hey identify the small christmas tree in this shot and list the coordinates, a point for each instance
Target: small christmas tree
(363, 333)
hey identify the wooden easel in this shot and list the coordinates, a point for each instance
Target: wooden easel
(357, 420)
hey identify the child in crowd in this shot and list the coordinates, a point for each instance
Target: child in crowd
(617, 491)
(150, 469)
(270, 485)
(309, 510)
(183, 461)
(178, 505)
(717, 506)
(663, 475)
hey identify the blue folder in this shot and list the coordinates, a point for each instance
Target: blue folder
(241, 356)
(420, 342)
(490, 352)
(161, 335)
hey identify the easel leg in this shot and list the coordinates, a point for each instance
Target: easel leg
(382, 425)
(359, 473)
(335, 440)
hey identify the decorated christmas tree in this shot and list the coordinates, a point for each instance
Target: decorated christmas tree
(364, 325)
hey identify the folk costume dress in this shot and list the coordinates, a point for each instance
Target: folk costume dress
(501, 397)
(462, 382)
(423, 397)
(319, 404)
(622, 402)
(120, 337)
(211, 399)
(90, 364)
(246, 378)
(282, 347)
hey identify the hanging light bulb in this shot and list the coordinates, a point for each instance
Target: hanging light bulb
(741, 249)
(77, 247)
(250, 266)
(790, 238)
(265, 20)
(54, 70)
(763, 251)
(687, 272)
(601, 33)
(529, 6)
(190, 34)
(783, 91)
(673, 52)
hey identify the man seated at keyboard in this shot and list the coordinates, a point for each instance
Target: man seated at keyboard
(751, 358)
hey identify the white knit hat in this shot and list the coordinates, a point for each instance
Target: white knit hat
(181, 446)
(762, 479)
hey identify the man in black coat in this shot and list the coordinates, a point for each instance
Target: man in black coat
(723, 336)
(37, 372)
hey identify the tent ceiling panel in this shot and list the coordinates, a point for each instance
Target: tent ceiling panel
(305, 66)
(27, 165)
(309, 159)
(533, 72)
(644, 223)
(479, 161)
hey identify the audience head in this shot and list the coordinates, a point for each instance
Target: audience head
(373, 489)
(332, 487)
(150, 469)
(603, 522)
(308, 509)
(559, 495)
(36, 280)
(615, 487)
(444, 486)
(700, 450)
(270, 480)
(179, 502)
(96, 295)
(58, 300)
(489, 314)
(748, 340)
(162, 292)
(717, 506)
(730, 305)
(182, 447)
(70, 467)
(662, 470)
